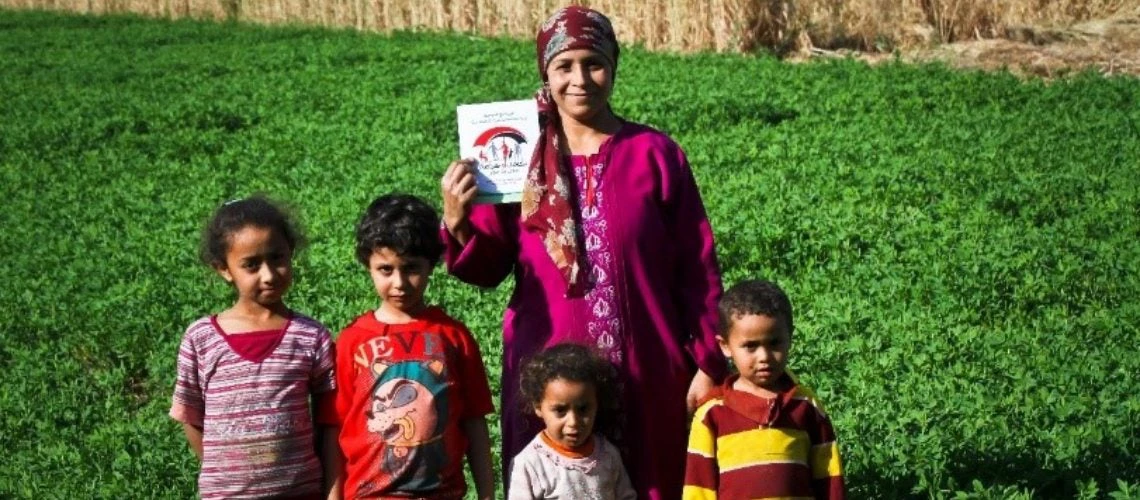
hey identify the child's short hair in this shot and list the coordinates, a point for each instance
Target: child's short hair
(575, 363)
(754, 297)
(234, 215)
(401, 222)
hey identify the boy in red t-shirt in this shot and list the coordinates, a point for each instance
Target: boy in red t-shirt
(412, 391)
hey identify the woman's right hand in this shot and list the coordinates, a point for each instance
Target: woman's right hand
(458, 190)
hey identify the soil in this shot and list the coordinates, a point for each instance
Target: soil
(1108, 46)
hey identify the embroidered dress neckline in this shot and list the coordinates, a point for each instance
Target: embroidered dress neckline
(590, 160)
(253, 346)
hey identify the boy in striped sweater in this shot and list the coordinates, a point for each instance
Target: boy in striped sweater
(761, 434)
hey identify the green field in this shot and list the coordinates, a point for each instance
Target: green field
(963, 249)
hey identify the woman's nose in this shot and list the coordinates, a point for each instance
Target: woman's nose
(579, 75)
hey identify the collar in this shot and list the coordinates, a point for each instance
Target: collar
(583, 451)
(763, 411)
(430, 314)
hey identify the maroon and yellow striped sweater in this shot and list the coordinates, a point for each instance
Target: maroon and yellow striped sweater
(744, 446)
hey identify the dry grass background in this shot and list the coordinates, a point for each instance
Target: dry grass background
(788, 27)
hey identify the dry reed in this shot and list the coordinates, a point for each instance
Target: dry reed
(720, 25)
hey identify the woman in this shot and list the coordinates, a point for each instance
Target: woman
(610, 247)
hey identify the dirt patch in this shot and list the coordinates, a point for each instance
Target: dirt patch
(1109, 46)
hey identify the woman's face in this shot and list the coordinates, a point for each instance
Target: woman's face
(581, 81)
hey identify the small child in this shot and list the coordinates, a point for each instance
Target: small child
(762, 434)
(412, 391)
(566, 385)
(246, 375)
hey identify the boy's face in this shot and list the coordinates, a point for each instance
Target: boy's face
(758, 345)
(400, 282)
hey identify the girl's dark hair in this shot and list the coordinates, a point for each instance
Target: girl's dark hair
(755, 297)
(575, 363)
(401, 222)
(232, 216)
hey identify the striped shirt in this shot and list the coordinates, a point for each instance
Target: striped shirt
(744, 446)
(253, 408)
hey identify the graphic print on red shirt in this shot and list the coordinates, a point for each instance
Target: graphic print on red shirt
(406, 389)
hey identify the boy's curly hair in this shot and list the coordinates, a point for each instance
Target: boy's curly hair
(235, 215)
(754, 297)
(401, 222)
(575, 363)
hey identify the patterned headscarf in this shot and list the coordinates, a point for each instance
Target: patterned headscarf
(546, 204)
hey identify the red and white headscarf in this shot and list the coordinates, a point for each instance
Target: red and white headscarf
(547, 203)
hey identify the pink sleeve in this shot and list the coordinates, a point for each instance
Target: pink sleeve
(490, 255)
(322, 379)
(698, 282)
(189, 404)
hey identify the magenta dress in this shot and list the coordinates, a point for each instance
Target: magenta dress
(651, 306)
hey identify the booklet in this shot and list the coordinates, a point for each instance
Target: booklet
(500, 137)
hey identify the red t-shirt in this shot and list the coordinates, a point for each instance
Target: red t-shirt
(402, 392)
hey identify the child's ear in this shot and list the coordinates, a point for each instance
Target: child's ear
(224, 272)
(723, 343)
(538, 411)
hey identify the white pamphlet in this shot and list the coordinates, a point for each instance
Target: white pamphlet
(500, 137)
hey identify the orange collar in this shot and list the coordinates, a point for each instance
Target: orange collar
(583, 451)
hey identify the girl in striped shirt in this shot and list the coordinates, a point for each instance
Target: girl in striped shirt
(246, 375)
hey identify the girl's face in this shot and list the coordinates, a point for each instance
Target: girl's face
(581, 81)
(259, 264)
(568, 410)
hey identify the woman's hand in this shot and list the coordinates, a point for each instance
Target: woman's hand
(458, 190)
(700, 388)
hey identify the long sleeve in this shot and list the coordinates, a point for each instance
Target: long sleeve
(524, 482)
(490, 255)
(624, 489)
(702, 474)
(698, 274)
(826, 468)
